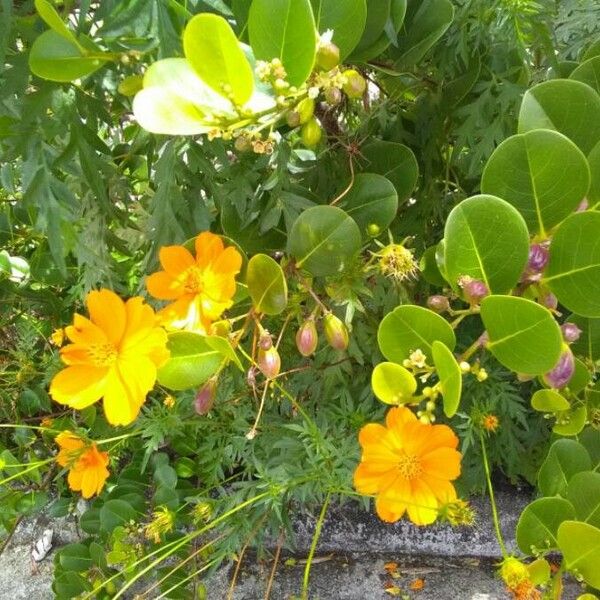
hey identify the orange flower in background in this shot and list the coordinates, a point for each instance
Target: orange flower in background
(201, 287)
(87, 466)
(408, 465)
(114, 355)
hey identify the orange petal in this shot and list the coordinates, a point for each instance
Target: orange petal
(398, 417)
(84, 332)
(443, 490)
(74, 479)
(208, 247)
(371, 433)
(175, 259)
(431, 437)
(443, 463)
(107, 311)
(79, 386)
(141, 320)
(164, 287)
(229, 262)
(370, 478)
(388, 510)
(423, 506)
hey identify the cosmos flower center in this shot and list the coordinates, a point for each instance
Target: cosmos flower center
(193, 282)
(102, 355)
(409, 465)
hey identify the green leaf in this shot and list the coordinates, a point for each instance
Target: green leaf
(588, 72)
(450, 375)
(583, 492)
(594, 162)
(542, 174)
(284, 29)
(378, 13)
(580, 546)
(430, 269)
(580, 378)
(592, 50)
(165, 475)
(214, 52)
(346, 18)
(573, 271)
(114, 513)
(570, 422)
(267, 285)
(395, 161)
(69, 584)
(425, 23)
(372, 202)
(549, 401)
(523, 335)
(570, 107)
(565, 459)
(408, 328)
(192, 361)
(538, 524)
(590, 440)
(323, 240)
(473, 246)
(75, 557)
(56, 58)
(393, 384)
(48, 13)
(539, 571)
(90, 521)
(222, 345)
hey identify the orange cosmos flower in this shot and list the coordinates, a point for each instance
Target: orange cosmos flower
(408, 465)
(201, 287)
(87, 466)
(113, 355)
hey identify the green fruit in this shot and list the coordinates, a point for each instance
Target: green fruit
(355, 84)
(328, 57)
(305, 110)
(311, 133)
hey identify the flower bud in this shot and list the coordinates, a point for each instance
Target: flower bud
(538, 258)
(571, 332)
(205, 397)
(550, 301)
(293, 118)
(328, 56)
(269, 362)
(306, 109)
(474, 289)
(333, 96)
(242, 144)
(561, 374)
(335, 332)
(438, 303)
(311, 133)
(355, 84)
(307, 337)
(265, 341)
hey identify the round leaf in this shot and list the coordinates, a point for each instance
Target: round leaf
(542, 174)
(588, 344)
(395, 161)
(48, 13)
(571, 422)
(114, 513)
(580, 378)
(571, 107)
(378, 12)
(75, 557)
(346, 18)
(266, 285)
(392, 383)
(213, 50)
(284, 29)
(430, 269)
(474, 246)
(450, 377)
(372, 200)
(594, 162)
(192, 361)
(408, 328)
(580, 546)
(523, 335)
(573, 271)
(565, 459)
(583, 492)
(588, 72)
(538, 524)
(549, 401)
(323, 240)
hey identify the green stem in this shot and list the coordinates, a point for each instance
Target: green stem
(486, 466)
(313, 546)
(33, 467)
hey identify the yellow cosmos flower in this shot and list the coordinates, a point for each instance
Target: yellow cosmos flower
(87, 466)
(202, 287)
(408, 465)
(114, 355)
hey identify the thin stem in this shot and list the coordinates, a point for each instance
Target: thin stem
(274, 568)
(342, 194)
(486, 466)
(313, 546)
(252, 433)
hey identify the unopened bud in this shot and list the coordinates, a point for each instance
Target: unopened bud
(328, 56)
(474, 289)
(550, 301)
(242, 144)
(269, 362)
(355, 84)
(333, 96)
(205, 397)
(561, 374)
(570, 332)
(438, 303)
(335, 332)
(305, 109)
(307, 338)
(293, 118)
(311, 133)
(265, 341)
(538, 258)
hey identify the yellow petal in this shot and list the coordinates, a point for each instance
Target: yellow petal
(423, 505)
(388, 510)
(74, 480)
(107, 311)
(84, 332)
(79, 386)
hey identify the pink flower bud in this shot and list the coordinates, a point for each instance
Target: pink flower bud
(438, 303)
(563, 371)
(538, 258)
(335, 332)
(571, 332)
(484, 338)
(269, 362)
(307, 338)
(550, 301)
(265, 341)
(474, 289)
(205, 397)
